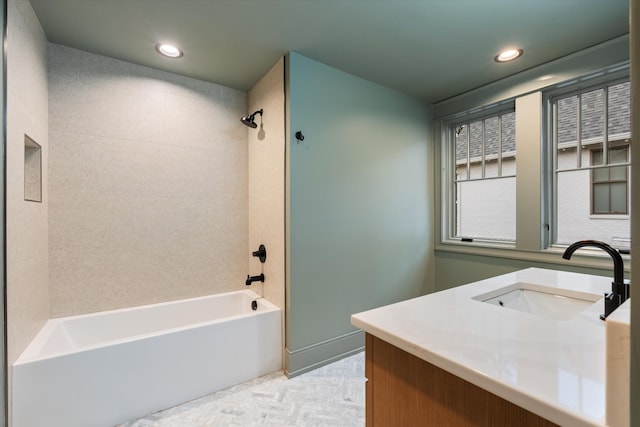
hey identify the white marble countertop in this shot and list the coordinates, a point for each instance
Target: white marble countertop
(553, 368)
(619, 365)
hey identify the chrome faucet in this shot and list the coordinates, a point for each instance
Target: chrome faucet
(619, 289)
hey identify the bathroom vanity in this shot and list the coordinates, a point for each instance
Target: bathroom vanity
(525, 348)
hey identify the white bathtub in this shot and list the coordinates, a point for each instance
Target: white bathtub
(106, 368)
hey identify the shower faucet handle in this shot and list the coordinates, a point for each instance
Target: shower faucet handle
(261, 253)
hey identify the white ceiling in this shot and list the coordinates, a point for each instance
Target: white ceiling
(431, 49)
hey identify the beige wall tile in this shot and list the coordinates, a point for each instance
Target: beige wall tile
(266, 183)
(27, 249)
(266, 180)
(148, 185)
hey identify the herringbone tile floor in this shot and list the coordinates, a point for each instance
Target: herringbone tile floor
(332, 395)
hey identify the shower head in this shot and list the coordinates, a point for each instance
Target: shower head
(248, 119)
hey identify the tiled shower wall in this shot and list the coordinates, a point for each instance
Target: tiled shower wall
(147, 185)
(266, 182)
(27, 249)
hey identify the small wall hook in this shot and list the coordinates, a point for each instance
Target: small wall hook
(299, 136)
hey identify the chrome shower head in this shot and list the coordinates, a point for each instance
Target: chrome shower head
(249, 119)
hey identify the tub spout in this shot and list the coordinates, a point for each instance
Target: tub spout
(251, 279)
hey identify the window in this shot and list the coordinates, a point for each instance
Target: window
(571, 143)
(609, 186)
(590, 133)
(484, 178)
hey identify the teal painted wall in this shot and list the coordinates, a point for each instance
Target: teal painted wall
(360, 200)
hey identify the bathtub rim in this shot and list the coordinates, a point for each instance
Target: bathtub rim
(33, 352)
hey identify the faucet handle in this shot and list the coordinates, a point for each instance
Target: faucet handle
(261, 253)
(611, 302)
(622, 289)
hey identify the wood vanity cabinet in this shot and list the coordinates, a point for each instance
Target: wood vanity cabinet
(404, 390)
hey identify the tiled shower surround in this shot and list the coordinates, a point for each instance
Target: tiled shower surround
(148, 185)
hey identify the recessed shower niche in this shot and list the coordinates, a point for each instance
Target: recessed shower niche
(32, 170)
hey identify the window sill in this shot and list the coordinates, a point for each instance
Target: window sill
(614, 217)
(553, 255)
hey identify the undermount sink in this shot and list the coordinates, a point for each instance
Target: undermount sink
(554, 303)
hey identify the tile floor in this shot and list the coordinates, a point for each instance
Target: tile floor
(332, 395)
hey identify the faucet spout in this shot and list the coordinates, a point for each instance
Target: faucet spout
(618, 264)
(251, 279)
(619, 289)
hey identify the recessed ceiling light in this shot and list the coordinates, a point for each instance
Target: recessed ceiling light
(508, 55)
(168, 50)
